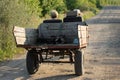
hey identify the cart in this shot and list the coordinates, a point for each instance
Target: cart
(53, 39)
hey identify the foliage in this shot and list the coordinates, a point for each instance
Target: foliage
(83, 5)
(109, 2)
(9, 16)
(48, 5)
(32, 6)
(88, 14)
(28, 13)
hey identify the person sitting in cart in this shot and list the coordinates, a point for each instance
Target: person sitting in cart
(73, 16)
(79, 14)
(54, 17)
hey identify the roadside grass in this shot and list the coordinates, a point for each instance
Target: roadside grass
(87, 15)
(5, 55)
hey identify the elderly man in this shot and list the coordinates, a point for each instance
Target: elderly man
(54, 16)
(73, 16)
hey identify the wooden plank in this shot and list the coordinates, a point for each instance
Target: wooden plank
(70, 30)
(49, 29)
(84, 41)
(82, 28)
(29, 31)
(17, 34)
(20, 34)
(18, 29)
(25, 41)
(83, 35)
(25, 36)
(20, 40)
(83, 46)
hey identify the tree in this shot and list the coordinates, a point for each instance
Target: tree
(77, 4)
(32, 6)
(48, 5)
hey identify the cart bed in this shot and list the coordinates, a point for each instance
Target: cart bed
(31, 38)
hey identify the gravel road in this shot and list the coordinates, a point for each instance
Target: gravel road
(102, 56)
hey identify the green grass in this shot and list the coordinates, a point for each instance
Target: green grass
(88, 15)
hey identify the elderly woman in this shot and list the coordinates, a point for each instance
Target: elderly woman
(73, 16)
(78, 12)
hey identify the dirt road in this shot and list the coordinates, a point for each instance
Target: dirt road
(102, 56)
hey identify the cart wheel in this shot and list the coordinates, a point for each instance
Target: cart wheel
(78, 65)
(32, 62)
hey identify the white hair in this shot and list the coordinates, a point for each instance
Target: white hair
(78, 11)
(54, 14)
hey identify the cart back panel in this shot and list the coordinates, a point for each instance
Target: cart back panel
(71, 32)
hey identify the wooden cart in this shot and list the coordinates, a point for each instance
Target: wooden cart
(54, 39)
(51, 40)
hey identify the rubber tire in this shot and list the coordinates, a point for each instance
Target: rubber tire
(32, 62)
(78, 65)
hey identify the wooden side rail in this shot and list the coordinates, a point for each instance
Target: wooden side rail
(83, 35)
(25, 36)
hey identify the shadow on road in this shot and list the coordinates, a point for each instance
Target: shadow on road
(16, 70)
(60, 77)
(13, 70)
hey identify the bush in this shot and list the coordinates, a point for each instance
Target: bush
(13, 15)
